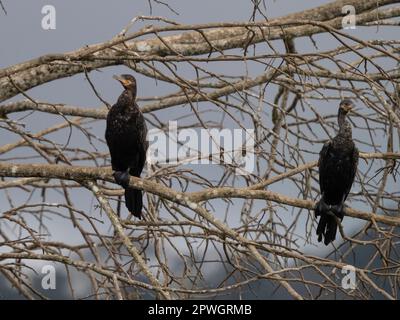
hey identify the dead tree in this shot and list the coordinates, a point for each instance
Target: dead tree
(256, 227)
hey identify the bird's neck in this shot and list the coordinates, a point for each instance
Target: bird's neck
(131, 93)
(345, 131)
(127, 98)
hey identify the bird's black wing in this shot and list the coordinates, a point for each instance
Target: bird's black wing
(144, 144)
(353, 170)
(111, 140)
(322, 164)
(141, 145)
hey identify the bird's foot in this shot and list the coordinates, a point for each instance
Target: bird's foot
(338, 210)
(122, 178)
(321, 207)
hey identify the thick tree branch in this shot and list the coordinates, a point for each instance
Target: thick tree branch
(30, 74)
(89, 173)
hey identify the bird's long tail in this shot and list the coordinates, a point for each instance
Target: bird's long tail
(327, 225)
(134, 201)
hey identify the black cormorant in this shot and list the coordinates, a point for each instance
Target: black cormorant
(337, 164)
(126, 136)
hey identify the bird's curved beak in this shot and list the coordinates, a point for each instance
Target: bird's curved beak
(349, 108)
(125, 83)
(118, 78)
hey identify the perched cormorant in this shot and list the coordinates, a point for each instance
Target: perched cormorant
(337, 164)
(126, 134)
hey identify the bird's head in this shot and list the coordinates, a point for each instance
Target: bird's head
(128, 81)
(346, 106)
